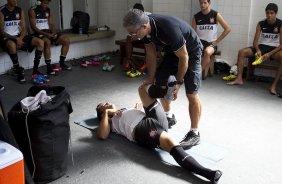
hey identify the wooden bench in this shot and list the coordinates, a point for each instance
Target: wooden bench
(122, 47)
(269, 65)
(210, 69)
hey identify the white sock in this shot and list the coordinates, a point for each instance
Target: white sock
(195, 130)
(168, 114)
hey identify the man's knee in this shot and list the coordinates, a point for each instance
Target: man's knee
(63, 40)
(208, 52)
(193, 98)
(11, 47)
(243, 53)
(37, 42)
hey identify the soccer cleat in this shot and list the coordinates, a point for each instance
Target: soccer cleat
(171, 121)
(171, 87)
(133, 73)
(50, 70)
(56, 68)
(229, 77)
(143, 68)
(83, 64)
(2, 88)
(20, 75)
(190, 139)
(216, 176)
(64, 66)
(108, 67)
(257, 61)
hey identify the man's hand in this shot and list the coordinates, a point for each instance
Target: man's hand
(175, 93)
(258, 53)
(19, 42)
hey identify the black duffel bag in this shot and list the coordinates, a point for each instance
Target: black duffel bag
(44, 141)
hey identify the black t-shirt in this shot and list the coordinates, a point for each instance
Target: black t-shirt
(172, 33)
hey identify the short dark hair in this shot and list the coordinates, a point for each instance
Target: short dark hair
(99, 113)
(272, 6)
(138, 6)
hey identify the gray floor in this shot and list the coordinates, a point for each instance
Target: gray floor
(246, 120)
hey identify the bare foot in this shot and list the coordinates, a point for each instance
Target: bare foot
(236, 82)
(272, 91)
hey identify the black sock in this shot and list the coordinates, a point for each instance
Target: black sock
(62, 59)
(188, 162)
(48, 63)
(15, 60)
(37, 58)
(156, 91)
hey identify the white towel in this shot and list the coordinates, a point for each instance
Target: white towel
(29, 104)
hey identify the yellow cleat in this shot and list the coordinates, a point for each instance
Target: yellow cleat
(229, 77)
(257, 61)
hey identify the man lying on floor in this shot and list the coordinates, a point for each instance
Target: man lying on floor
(149, 129)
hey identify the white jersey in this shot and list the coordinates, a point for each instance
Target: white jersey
(12, 20)
(125, 124)
(270, 33)
(206, 26)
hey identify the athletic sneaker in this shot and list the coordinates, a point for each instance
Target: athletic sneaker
(50, 71)
(171, 121)
(2, 88)
(64, 66)
(215, 176)
(20, 75)
(190, 139)
(171, 87)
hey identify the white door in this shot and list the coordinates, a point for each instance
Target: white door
(91, 7)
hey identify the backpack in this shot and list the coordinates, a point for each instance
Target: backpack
(80, 20)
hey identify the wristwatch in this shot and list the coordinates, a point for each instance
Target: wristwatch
(180, 82)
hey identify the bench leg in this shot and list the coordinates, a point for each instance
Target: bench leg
(122, 53)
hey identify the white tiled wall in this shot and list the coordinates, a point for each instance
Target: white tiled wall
(242, 15)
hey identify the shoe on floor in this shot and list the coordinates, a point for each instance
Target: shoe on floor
(190, 139)
(171, 121)
(20, 75)
(50, 71)
(216, 177)
(2, 88)
(171, 87)
(229, 77)
(64, 66)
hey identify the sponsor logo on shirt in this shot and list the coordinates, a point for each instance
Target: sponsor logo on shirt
(211, 20)
(199, 20)
(270, 36)
(275, 30)
(206, 27)
(17, 16)
(11, 23)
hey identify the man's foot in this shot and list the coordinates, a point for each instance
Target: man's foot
(216, 176)
(190, 139)
(171, 87)
(2, 88)
(20, 75)
(171, 121)
(64, 66)
(50, 71)
(236, 82)
(272, 91)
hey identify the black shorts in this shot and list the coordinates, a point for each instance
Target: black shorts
(53, 41)
(169, 66)
(208, 44)
(27, 46)
(149, 129)
(263, 49)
